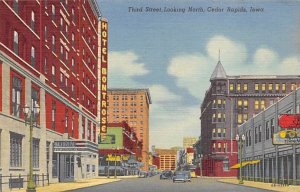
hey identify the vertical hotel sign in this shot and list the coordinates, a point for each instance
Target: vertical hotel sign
(103, 84)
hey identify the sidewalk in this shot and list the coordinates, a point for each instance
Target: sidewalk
(60, 187)
(261, 185)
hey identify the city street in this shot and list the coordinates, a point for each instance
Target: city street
(155, 184)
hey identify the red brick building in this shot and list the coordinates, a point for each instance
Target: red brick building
(49, 56)
(229, 102)
(122, 143)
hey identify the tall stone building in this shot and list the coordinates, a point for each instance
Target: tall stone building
(48, 59)
(132, 106)
(229, 102)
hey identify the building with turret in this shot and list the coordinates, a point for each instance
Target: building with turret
(229, 102)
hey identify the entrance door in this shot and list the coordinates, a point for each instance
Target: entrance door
(66, 167)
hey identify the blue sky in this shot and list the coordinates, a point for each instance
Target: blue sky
(174, 54)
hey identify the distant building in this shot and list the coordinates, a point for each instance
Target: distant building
(120, 145)
(167, 159)
(189, 142)
(229, 102)
(131, 106)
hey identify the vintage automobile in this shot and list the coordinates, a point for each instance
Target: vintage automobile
(182, 176)
(167, 174)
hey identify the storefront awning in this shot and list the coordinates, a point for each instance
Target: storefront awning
(238, 165)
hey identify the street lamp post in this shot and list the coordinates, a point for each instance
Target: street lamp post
(200, 164)
(240, 141)
(31, 117)
(116, 149)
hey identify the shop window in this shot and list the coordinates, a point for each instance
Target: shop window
(226, 165)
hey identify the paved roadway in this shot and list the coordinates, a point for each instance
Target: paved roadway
(154, 184)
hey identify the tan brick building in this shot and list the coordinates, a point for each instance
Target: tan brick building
(167, 159)
(132, 106)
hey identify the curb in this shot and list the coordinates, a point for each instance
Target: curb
(245, 186)
(92, 186)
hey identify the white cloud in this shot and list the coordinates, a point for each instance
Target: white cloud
(160, 94)
(231, 52)
(290, 66)
(265, 57)
(191, 71)
(123, 67)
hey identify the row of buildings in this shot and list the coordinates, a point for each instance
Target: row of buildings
(234, 105)
(53, 62)
(49, 62)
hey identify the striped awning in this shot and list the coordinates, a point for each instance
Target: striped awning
(244, 163)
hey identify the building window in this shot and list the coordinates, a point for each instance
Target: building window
(219, 117)
(214, 147)
(256, 134)
(32, 20)
(259, 133)
(224, 132)
(73, 90)
(238, 87)
(73, 15)
(219, 132)
(72, 64)
(214, 132)
(272, 127)
(231, 87)
(262, 104)
(226, 165)
(73, 40)
(53, 74)
(34, 97)
(219, 147)
(219, 103)
(240, 103)
(72, 124)
(245, 117)
(83, 128)
(53, 43)
(270, 87)
(53, 115)
(16, 42)
(214, 117)
(16, 6)
(256, 87)
(256, 104)
(277, 87)
(293, 86)
(263, 87)
(66, 120)
(267, 130)
(54, 164)
(245, 104)
(45, 66)
(16, 96)
(35, 153)
(240, 118)
(53, 12)
(32, 56)
(245, 87)
(250, 138)
(15, 150)
(61, 53)
(283, 87)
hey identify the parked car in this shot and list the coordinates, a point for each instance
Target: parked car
(167, 174)
(143, 174)
(180, 176)
(188, 175)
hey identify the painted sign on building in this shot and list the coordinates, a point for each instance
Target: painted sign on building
(289, 121)
(103, 81)
(286, 137)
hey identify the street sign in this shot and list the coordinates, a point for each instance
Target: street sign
(288, 121)
(286, 137)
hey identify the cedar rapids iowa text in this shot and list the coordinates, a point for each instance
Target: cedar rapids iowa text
(195, 9)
